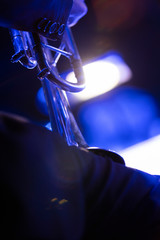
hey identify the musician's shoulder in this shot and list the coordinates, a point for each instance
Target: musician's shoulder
(15, 122)
(21, 129)
(10, 121)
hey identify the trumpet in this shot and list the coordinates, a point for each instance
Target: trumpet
(33, 51)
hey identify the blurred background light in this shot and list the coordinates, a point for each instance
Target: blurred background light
(144, 156)
(101, 76)
(121, 118)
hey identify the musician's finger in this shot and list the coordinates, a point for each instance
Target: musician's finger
(47, 17)
(79, 9)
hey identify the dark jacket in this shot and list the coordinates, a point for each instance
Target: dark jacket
(52, 191)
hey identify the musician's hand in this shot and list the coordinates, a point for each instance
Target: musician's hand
(79, 9)
(47, 17)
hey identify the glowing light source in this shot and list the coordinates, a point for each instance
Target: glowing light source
(101, 76)
(144, 156)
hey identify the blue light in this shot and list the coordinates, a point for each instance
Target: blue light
(41, 102)
(120, 120)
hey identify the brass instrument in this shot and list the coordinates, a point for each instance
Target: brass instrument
(32, 50)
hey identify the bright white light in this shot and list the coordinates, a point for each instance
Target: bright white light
(144, 156)
(102, 76)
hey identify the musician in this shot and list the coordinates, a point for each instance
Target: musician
(52, 191)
